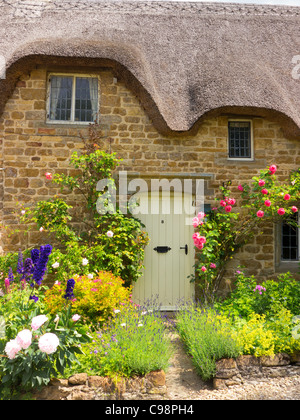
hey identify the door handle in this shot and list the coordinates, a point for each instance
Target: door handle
(186, 249)
(162, 249)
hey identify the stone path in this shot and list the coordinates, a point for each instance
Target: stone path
(184, 384)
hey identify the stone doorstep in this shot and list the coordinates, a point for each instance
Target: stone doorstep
(83, 387)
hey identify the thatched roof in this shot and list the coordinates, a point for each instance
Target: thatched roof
(184, 60)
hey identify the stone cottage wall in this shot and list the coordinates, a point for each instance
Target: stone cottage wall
(30, 147)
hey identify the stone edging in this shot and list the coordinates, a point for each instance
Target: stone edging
(250, 368)
(83, 387)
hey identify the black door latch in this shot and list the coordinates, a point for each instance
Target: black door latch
(186, 249)
(162, 249)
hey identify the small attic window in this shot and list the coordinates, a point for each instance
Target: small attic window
(240, 140)
(72, 98)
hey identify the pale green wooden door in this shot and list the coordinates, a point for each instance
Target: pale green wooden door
(166, 273)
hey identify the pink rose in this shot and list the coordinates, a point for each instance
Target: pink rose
(203, 268)
(228, 209)
(201, 215)
(213, 265)
(294, 209)
(240, 188)
(199, 245)
(24, 338)
(267, 203)
(261, 182)
(281, 211)
(264, 191)
(223, 203)
(48, 343)
(287, 197)
(12, 348)
(48, 175)
(195, 221)
(231, 201)
(273, 169)
(109, 234)
(38, 321)
(260, 213)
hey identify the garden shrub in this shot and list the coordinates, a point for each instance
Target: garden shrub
(134, 343)
(208, 337)
(261, 336)
(267, 298)
(94, 297)
(95, 225)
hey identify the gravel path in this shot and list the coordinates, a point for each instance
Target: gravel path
(184, 384)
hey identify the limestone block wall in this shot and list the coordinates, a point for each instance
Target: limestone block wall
(30, 147)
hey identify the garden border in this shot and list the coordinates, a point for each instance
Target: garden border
(249, 368)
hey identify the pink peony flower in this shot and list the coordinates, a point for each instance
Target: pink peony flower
(261, 182)
(48, 175)
(287, 197)
(294, 209)
(273, 169)
(264, 191)
(213, 265)
(203, 268)
(24, 338)
(267, 203)
(48, 343)
(240, 188)
(228, 209)
(260, 213)
(38, 321)
(281, 211)
(12, 348)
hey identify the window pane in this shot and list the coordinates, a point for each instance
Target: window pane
(289, 242)
(239, 139)
(86, 103)
(61, 98)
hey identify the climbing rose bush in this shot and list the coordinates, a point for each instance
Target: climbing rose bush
(228, 226)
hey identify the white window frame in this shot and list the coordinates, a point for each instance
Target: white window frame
(240, 159)
(74, 75)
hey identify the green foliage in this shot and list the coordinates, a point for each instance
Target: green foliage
(208, 337)
(31, 367)
(225, 230)
(81, 229)
(245, 299)
(94, 298)
(134, 343)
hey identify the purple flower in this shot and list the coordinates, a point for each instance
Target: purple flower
(28, 268)
(20, 267)
(10, 275)
(35, 254)
(33, 297)
(69, 290)
(41, 264)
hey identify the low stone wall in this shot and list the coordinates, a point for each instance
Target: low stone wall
(84, 387)
(250, 368)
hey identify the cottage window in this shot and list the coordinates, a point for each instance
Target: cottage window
(240, 143)
(290, 241)
(72, 98)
